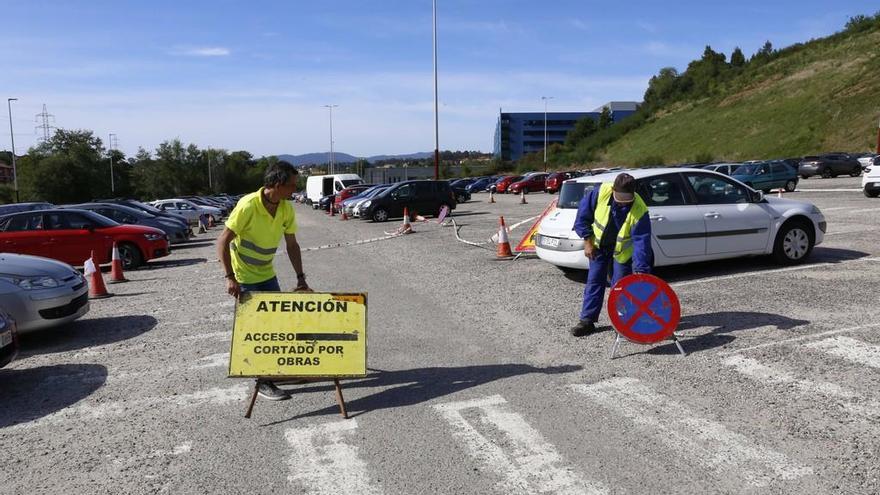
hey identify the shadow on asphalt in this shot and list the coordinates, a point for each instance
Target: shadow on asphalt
(723, 324)
(29, 394)
(456, 214)
(152, 265)
(415, 386)
(85, 333)
(694, 271)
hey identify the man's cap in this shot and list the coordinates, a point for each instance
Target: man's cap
(624, 188)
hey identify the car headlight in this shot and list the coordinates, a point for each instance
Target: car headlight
(154, 237)
(31, 283)
(367, 204)
(815, 210)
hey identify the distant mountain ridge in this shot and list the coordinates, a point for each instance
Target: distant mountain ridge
(338, 157)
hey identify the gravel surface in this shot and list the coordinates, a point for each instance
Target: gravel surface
(475, 385)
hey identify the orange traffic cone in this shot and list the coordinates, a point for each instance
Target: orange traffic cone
(491, 196)
(211, 223)
(344, 215)
(332, 210)
(779, 194)
(522, 197)
(116, 274)
(97, 289)
(406, 228)
(504, 250)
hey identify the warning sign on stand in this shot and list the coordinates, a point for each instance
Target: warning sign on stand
(300, 334)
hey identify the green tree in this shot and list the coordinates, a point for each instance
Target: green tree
(737, 59)
(582, 129)
(605, 118)
(67, 168)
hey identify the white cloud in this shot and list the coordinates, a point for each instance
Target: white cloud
(209, 51)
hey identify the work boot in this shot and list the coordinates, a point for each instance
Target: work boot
(582, 328)
(268, 390)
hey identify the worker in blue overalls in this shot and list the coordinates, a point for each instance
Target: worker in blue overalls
(613, 221)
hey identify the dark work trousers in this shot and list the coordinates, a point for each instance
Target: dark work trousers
(594, 290)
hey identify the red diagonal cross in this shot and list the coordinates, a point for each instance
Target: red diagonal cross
(643, 307)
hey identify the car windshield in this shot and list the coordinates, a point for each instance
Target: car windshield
(352, 182)
(749, 169)
(146, 207)
(572, 192)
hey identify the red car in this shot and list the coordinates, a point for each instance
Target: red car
(554, 181)
(349, 192)
(531, 182)
(70, 235)
(505, 182)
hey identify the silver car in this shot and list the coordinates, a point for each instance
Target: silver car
(41, 293)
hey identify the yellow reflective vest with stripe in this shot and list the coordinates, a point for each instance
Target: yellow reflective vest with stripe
(623, 246)
(257, 236)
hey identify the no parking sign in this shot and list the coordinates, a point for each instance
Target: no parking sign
(644, 309)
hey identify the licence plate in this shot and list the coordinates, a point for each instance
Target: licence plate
(5, 339)
(550, 241)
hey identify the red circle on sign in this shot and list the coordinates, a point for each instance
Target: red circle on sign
(643, 308)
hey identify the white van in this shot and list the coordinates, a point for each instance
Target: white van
(318, 186)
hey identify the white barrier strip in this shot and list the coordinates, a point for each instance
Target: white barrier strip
(455, 227)
(524, 460)
(767, 375)
(527, 220)
(705, 441)
(352, 243)
(797, 339)
(850, 349)
(322, 463)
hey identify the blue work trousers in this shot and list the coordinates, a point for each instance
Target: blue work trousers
(594, 290)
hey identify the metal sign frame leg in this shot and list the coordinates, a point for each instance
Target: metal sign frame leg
(253, 400)
(340, 399)
(674, 338)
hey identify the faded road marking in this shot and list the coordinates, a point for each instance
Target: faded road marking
(850, 349)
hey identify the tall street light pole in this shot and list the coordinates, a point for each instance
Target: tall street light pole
(436, 118)
(330, 107)
(12, 138)
(112, 181)
(545, 98)
(210, 181)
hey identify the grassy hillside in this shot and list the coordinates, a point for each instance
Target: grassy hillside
(820, 96)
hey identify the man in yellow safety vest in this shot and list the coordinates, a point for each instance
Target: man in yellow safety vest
(613, 221)
(246, 247)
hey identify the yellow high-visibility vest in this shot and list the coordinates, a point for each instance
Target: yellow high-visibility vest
(257, 235)
(623, 246)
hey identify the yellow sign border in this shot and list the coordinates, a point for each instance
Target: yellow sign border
(310, 376)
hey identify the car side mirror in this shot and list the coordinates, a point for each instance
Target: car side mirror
(757, 196)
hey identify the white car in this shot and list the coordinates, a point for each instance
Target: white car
(867, 160)
(871, 179)
(186, 209)
(696, 215)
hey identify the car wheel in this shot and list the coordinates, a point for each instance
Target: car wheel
(525, 190)
(805, 177)
(130, 255)
(870, 194)
(461, 199)
(791, 185)
(794, 242)
(856, 171)
(826, 173)
(380, 215)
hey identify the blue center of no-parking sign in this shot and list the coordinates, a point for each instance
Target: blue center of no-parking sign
(644, 308)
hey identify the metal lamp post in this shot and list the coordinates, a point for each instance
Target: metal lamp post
(12, 138)
(110, 151)
(545, 98)
(330, 107)
(436, 118)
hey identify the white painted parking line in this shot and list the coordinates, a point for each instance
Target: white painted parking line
(524, 460)
(861, 210)
(104, 410)
(209, 336)
(703, 440)
(828, 190)
(798, 339)
(768, 375)
(323, 463)
(850, 349)
(767, 272)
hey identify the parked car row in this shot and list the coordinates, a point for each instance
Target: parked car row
(382, 202)
(827, 165)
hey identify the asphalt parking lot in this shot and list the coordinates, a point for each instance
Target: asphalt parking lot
(475, 384)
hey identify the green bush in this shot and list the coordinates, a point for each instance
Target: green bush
(704, 157)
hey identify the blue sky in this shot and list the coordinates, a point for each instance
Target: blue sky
(255, 75)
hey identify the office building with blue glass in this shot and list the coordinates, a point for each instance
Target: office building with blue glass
(523, 132)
